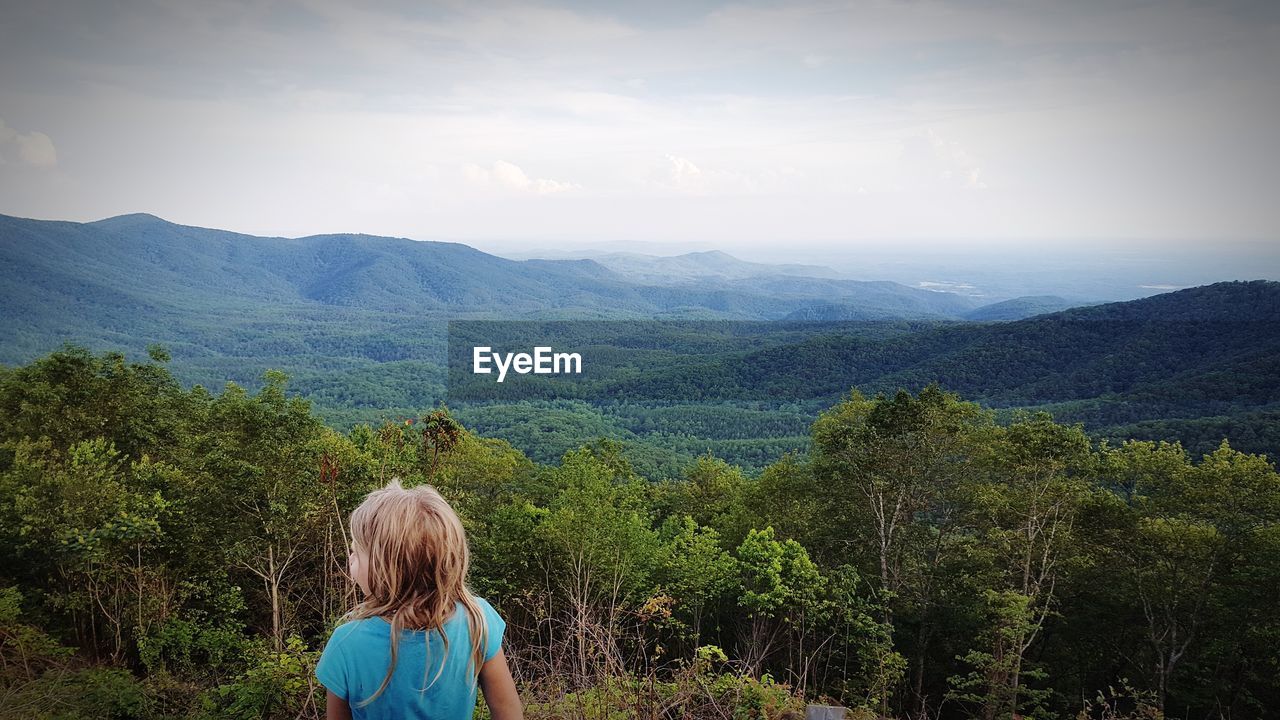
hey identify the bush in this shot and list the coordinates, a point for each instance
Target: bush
(278, 685)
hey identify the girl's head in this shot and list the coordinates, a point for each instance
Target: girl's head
(409, 556)
(408, 548)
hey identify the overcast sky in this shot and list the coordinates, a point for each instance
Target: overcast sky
(737, 125)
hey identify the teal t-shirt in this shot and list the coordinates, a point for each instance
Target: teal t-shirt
(355, 661)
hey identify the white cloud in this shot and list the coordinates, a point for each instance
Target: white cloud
(684, 174)
(931, 160)
(813, 61)
(511, 177)
(32, 148)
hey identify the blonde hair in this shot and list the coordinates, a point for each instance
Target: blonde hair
(417, 561)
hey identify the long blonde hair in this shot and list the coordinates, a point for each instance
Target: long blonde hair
(417, 560)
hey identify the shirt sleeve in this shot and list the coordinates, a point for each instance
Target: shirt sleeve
(331, 670)
(494, 627)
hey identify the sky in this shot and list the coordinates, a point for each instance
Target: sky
(777, 130)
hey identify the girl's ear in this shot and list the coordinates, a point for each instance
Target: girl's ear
(358, 568)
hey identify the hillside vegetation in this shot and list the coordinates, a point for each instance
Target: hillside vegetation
(173, 553)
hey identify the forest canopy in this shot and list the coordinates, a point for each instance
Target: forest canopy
(180, 553)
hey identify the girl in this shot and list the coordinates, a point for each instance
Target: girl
(417, 644)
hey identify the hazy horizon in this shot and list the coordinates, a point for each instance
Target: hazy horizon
(1085, 271)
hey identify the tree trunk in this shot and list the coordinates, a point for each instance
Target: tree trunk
(274, 586)
(917, 686)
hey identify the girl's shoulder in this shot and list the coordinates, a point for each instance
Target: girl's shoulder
(488, 611)
(361, 627)
(377, 626)
(494, 627)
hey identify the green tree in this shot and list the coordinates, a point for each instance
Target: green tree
(603, 554)
(779, 585)
(1039, 473)
(894, 473)
(1185, 527)
(262, 457)
(695, 570)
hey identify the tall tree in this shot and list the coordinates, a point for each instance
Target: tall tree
(892, 471)
(1185, 527)
(1038, 475)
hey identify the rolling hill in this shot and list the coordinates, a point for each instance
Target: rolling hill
(132, 280)
(358, 322)
(1195, 366)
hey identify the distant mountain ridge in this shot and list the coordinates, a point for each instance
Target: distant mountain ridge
(140, 260)
(358, 322)
(1222, 339)
(707, 264)
(1193, 366)
(1020, 308)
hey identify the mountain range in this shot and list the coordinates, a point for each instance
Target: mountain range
(359, 324)
(140, 258)
(131, 280)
